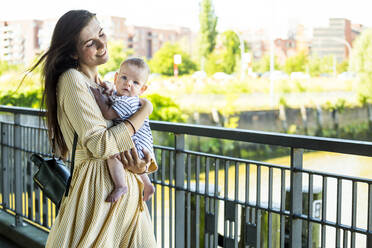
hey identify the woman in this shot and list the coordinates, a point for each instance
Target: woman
(78, 46)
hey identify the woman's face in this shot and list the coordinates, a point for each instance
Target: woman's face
(92, 45)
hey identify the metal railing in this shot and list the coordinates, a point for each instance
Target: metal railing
(207, 200)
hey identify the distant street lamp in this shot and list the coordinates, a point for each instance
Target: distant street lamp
(177, 59)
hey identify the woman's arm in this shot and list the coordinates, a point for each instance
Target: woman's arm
(84, 115)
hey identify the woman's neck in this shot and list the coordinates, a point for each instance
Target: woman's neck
(91, 73)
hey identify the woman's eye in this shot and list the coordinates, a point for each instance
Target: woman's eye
(124, 77)
(135, 82)
(102, 35)
(89, 44)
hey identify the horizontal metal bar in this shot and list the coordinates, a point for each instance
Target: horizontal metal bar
(326, 174)
(287, 140)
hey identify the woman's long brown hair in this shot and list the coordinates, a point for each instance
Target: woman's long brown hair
(56, 60)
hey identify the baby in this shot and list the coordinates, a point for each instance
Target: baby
(130, 82)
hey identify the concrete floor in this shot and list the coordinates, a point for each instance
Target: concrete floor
(6, 243)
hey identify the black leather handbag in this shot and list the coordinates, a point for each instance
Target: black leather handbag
(53, 176)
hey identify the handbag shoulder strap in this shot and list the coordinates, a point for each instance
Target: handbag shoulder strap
(72, 162)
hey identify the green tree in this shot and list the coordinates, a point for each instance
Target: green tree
(207, 33)
(263, 65)
(117, 55)
(163, 60)
(6, 67)
(296, 63)
(165, 109)
(225, 58)
(318, 65)
(362, 53)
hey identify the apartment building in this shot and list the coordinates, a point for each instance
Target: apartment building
(336, 39)
(145, 41)
(19, 40)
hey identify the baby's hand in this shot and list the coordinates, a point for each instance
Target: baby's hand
(146, 104)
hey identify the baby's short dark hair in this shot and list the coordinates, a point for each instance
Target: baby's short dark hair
(138, 62)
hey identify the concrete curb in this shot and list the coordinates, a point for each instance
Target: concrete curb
(27, 236)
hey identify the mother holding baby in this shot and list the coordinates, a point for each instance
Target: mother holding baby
(85, 218)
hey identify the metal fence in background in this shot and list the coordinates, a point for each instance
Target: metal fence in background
(209, 200)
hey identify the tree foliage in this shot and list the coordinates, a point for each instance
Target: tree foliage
(263, 65)
(208, 32)
(117, 55)
(296, 63)
(362, 64)
(318, 66)
(224, 58)
(165, 109)
(163, 61)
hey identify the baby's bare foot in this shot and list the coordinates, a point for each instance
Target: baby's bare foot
(148, 191)
(117, 193)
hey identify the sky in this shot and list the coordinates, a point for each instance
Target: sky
(232, 14)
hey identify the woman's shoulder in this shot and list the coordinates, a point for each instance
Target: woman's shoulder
(70, 74)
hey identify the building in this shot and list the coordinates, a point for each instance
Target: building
(336, 39)
(19, 40)
(145, 41)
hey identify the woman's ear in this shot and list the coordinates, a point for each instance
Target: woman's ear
(74, 57)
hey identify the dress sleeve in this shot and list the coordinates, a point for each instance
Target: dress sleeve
(86, 118)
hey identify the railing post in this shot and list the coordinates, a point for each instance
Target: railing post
(296, 197)
(180, 194)
(5, 165)
(18, 177)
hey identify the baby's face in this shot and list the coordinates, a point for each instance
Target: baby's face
(130, 80)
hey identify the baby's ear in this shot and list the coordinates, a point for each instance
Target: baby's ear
(143, 89)
(116, 77)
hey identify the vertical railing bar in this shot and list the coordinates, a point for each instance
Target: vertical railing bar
(162, 199)
(354, 211)
(207, 201)
(324, 211)
(369, 225)
(18, 174)
(197, 172)
(5, 165)
(236, 205)
(155, 215)
(188, 213)
(226, 196)
(345, 244)
(215, 237)
(270, 205)
(247, 170)
(180, 193)
(282, 209)
(338, 212)
(171, 183)
(310, 211)
(296, 197)
(258, 204)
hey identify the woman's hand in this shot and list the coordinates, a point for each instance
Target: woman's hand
(146, 105)
(133, 163)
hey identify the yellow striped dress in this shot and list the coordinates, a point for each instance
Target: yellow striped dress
(85, 219)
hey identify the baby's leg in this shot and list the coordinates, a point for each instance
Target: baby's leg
(148, 188)
(117, 174)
